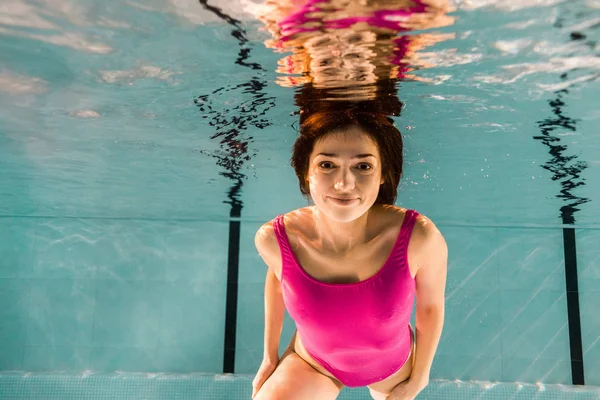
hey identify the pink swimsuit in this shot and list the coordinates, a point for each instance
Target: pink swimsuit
(359, 332)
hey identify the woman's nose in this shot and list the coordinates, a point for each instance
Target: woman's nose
(345, 180)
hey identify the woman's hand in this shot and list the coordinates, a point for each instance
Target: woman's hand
(407, 390)
(264, 372)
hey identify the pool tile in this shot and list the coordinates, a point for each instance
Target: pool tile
(190, 360)
(67, 248)
(61, 312)
(165, 250)
(274, 187)
(251, 320)
(472, 324)
(472, 257)
(248, 361)
(11, 357)
(96, 248)
(590, 336)
(466, 367)
(56, 358)
(588, 260)
(591, 363)
(132, 250)
(123, 358)
(194, 251)
(534, 325)
(521, 199)
(14, 301)
(193, 315)
(531, 370)
(531, 259)
(17, 240)
(127, 313)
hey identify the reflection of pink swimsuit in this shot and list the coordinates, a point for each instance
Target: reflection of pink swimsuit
(388, 19)
(359, 332)
(391, 19)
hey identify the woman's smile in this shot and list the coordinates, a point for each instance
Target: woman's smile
(342, 201)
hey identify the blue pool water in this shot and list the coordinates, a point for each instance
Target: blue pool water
(142, 145)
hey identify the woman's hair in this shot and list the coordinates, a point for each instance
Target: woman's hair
(377, 126)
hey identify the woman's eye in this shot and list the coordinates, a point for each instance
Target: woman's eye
(326, 164)
(329, 165)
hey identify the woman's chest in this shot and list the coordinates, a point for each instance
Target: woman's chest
(358, 265)
(347, 269)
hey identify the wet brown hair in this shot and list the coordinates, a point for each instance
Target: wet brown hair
(377, 126)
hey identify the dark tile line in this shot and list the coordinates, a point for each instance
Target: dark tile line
(235, 151)
(232, 294)
(567, 170)
(572, 287)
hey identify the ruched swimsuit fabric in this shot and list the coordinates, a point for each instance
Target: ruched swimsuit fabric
(360, 332)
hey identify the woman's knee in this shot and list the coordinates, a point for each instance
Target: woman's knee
(378, 395)
(294, 379)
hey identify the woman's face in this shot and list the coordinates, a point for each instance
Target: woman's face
(344, 174)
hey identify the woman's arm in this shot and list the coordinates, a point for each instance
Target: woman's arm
(274, 314)
(268, 248)
(430, 293)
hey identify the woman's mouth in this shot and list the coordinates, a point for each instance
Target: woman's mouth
(342, 202)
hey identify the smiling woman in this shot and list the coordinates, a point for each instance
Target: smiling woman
(349, 267)
(384, 140)
(338, 175)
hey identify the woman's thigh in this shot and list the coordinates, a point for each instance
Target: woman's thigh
(295, 379)
(383, 388)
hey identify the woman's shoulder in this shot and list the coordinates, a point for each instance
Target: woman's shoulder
(390, 215)
(290, 220)
(425, 237)
(267, 246)
(267, 243)
(394, 214)
(423, 227)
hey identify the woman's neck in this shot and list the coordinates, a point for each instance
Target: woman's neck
(342, 237)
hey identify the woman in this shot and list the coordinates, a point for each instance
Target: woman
(348, 269)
